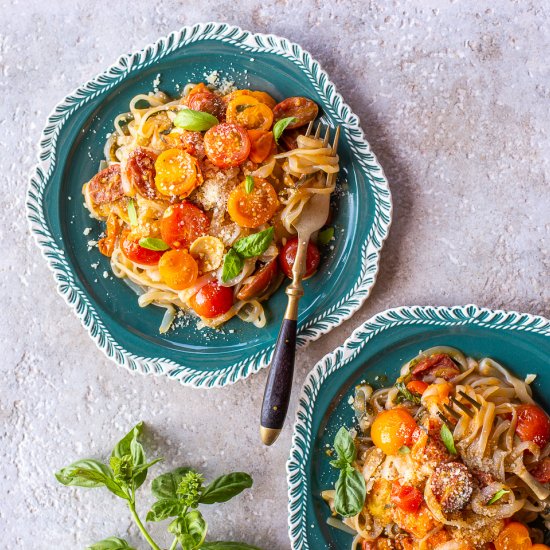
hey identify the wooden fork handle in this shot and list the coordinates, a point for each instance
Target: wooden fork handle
(279, 383)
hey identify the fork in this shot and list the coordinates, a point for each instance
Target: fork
(279, 382)
(466, 410)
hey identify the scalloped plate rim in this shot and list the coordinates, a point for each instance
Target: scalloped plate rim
(127, 64)
(338, 358)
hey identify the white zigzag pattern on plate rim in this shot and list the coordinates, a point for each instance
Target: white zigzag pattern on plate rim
(424, 315)
(127, 64)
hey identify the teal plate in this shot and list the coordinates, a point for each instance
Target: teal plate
(70, 151)
(379, 347)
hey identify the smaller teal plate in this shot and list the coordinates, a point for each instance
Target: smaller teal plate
(379, 347)
(70, 151)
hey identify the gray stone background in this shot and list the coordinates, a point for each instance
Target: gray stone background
(454, 97)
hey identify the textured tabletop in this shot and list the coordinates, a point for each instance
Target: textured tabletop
(454, 97)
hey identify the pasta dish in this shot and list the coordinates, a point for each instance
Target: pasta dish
(199, 194)
(454, 456)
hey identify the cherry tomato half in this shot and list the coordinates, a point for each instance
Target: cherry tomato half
(140, 171)
(177, 173)
(136, 253)
(254, 208)
(515, 535)
(227, 145)
(106, 186)
(207, 102)
(182, 223)
(261, 144)
(392, 429)
(417, 386)
(212, 300)
(302, 108)
(406, 497)
(542, 470)
(178, 269)
(288, 256)
(533, 425)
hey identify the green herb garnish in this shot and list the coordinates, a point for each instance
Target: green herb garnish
(325, 236)
(280, 126)
(232, 265)
(254, 245)
(132, 214)
(497, 496)
(447, 438)
(178, 495)
(404, 450)
(153, 244)
(408, 395)
(350, 487)
(196, 121)
(249, 184)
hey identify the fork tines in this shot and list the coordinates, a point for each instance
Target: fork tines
(464, 408)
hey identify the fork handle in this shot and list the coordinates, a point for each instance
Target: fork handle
(279, 383)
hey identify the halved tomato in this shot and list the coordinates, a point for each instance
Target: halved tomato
(140, 171)
(212, 300)
(177, 173)
(261, 144)
(250, 113)
(207, 102)
(178, 269)
(262, 97)
(533, 425)
(136, 253)
(287, 257)
(227, 145)
(303, 109)
(182, 223)
(254, 208)
(106, 186)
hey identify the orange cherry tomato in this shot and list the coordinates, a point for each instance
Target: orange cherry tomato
(261, 144)
(302, 108)
(514, 536)
(182, 223)
(255, 208)
(287, 257)
(406, 497)
(200, 87)
(178, 269)
(136, 253)
(227, 145)
(393, 429)
(140, 171)
(177, 173)
(107, 244)
(249, 113)
(533, 425)
(262, 97)
(540, 547)
(212, 300)
(417, 386)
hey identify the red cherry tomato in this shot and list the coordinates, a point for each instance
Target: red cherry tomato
(533, 425)
(288, 255)
(106, 186)
(207, 102)
(182, 223)
(212, 300)
(417, 386)
(227, 145)
(136, 253)
(140, 170)
(542, 470)
(303, 109)
(406, 497)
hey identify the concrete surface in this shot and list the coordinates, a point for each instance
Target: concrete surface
(454, 98)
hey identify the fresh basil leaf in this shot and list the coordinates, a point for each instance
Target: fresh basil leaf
(164, 508)
(189, 529)
(339, 463)
(153, 244)
(112, 543)
(280, 126)
(123, 468)
(447, 438)
(129, 445)
(344, 445)
(256, 244)
(325, 236)
(99, 479)
(221, 545)
(350, 493)
(132, 214)
(497, 496)
(225, 488)
(232, 265)
(196, 121)
(249, 184)
(69, 475)
(409, 396)
(166, 485)
(404, 450)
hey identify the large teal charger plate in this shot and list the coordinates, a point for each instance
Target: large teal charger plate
(375, 352)
(72, 146)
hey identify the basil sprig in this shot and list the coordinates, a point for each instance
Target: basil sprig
(196, 121)
(497, 496)
(407, 394)
(179, 494)
(132, 214)
(247, 247)
(248, 184)
(447, 438)
(350, 488)
(280, 126)
(153, 244)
